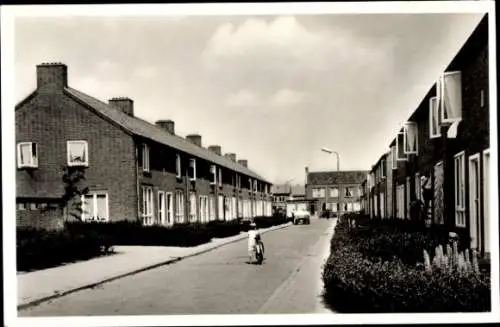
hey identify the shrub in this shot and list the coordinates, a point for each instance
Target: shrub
(356, 284)
(371, 270)
(40, 249)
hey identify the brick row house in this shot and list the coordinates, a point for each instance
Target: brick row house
(335, 191)
(441, 156)
(134, 170)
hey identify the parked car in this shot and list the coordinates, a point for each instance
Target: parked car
(301, 216)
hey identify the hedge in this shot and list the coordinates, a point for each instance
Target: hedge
(40, 249)
(356, 280)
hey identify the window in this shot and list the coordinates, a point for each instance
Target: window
(193, 217)
(418, 187)
(400, 153)
(255, 186)
(178, 170)
(434, 118)
(221, 207)
(212, 208)
(357, 206)
(220, 177)
(348, 192)
(179, 206)
(213, 174)
(145, 157)
(27, 155)
(227, 208)
(450, 97)
(334, 192)
(147, 205)
(482, 98)
(95, 207)
(459, 189)
(240, 207)
(318, 192)
(78, 153)
(21, 206)
(382, 168)
(192, 169)
(165, 208)
(394, 161)
(410, 138)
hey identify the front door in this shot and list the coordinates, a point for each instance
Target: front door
(474, 202)
(161, 208)
(169, 208)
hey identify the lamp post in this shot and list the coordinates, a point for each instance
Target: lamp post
(327, 150)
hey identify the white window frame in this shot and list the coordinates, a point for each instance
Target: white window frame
(213, 171)
(407, 197)
(219, 178)
(68, 155)
(459, 191)
(407, 127)
(347, 188)
(145, 157)
(433, 115)
(192, 165)
(486, 195)
(475, 243)
(180, 215)
(447, 121)
(332, 193)
(193, 208)
(220, 207)
(147, 212)
(383, 174)
(33, 162)
(94, 195)
(394, 162)
(178, 166)
(397, 148)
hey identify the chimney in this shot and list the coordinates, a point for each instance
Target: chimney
(194, 138)
(167, 125)
(125, 105)
(231, 156)
(215, 149)
(51, 76)
(307, 173)
(243, 162)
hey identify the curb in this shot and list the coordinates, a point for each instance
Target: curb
(153, 266)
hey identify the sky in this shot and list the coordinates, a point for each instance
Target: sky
(273, 89)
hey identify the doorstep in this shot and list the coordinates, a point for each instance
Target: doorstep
(43, 285)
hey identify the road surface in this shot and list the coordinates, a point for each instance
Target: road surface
(217, 282)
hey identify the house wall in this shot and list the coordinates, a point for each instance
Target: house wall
(50, 120)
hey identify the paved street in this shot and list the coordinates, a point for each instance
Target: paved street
(218, 282)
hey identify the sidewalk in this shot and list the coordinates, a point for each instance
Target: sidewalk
(39, 286)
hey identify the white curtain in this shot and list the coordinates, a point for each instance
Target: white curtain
(452, 96)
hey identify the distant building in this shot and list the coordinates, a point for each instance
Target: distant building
(335, 191)
(289, 198)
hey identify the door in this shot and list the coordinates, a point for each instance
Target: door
(169, 207)
(474, 202)
(161, 208)
(486, 200)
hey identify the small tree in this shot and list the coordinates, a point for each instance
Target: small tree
(74, 188)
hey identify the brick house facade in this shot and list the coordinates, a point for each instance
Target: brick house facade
(334, 191)
(134, 170)
(441, 156)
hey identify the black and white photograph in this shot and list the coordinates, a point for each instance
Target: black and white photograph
(248, 164)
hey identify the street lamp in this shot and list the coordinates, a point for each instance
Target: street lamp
(327, 150)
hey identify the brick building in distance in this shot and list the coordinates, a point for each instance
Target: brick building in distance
(441, 156)
(134, 170)
(334, 191)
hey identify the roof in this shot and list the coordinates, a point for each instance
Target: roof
(286, 189)
(336, 177)
(137, 126)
